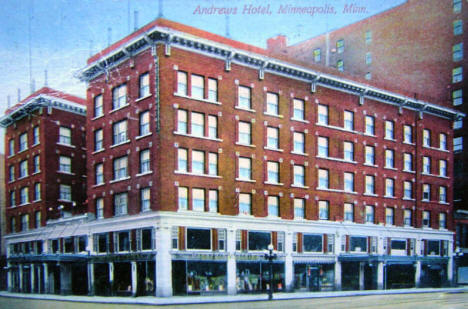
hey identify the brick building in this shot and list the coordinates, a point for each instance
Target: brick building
(202, 151)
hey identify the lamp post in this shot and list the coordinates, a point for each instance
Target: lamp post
(270, 256)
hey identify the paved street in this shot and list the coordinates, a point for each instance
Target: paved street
(426, 301)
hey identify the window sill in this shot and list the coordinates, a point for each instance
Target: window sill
(66, 145)
(390, 168)
(370, 194)
(34, 145)
(408, 143)
(389, 139)
(336, 128)
(408, 171)
(119, 108)
(37, 201)
(26, 149)
(369, 135)
(299, 120)
(408, 199)
(246, 180)
(336, 159)
(273, 149)
(444, 203)
(64, 201)
(246, 145)
(299, 186)
(370, 165)
(99, 185)
(434, 148)
(390, 197)
(196, 136)
(350, 192)
(300, 153)
(196, 99)
(329, 190)
(143, 136)
(194, 174)
(98, 151)
(120, 179)
(24, 204)
(22, 177)
(245, 109)
(144, 174)
(66, 173)
(119, 144)
(273, 115)
(97, 117)
(427, 201)
(273, 183)
(142, 98)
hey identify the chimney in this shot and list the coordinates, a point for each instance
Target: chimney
(277, 44)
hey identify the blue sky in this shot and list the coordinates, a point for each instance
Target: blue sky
(64, 32)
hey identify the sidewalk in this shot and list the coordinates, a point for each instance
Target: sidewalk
(180, 300)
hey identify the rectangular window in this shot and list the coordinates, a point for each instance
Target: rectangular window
(349, 182)
(37, 221)
(389, 187)
(458, 144)
(182, 119)
(24, 195)
(299, 208)
(340, 65)
(123, 241)
(340, 46)
(458, 124)
(23, 141)
(457, 75)
(119, 96)
(258, 241)
(348, 148)
(323, 114)
(98, 140)
(212, 89)
(426, 192)
(312, 243)
(389, 216)
(370, 155)
(212, 126)
(349, 120)
(426, 218)
(426, 165)
(408, 190)
(183, 198)
(457, 27)
(408, 162)
(182, 83)
(299, 144)
(36, 164)
(426, 138)
(144, 84)
(370, 184)
(370, 125)
(322, 146)
(457, 6)
(443, 194)
(99, 208)
(245, 168)
(272, 102)
(368, 37)
(323, 210)
(457, 97)
(146, 239)
(119, 130)
(407, 217)
(99, 174)
(272, 138)
(198, 162)
(273, 206)
(245, 204)
(221, 239)
(37, 191)
(198, 199)
(213, 164)
(323, 182)
(182, 163)
(65, 193)
(368, 58)
(442, 220)
(389, 130)
(443, 168)
(298, 109)
(98, 106)
(299, 175)
(36, 135)
(443, 141)
(24, 222)
(65, 164)
(11, 173)
(368, 76)
(457, 52)
(273, 172)
(12, 198)
(120, 168)
(245, 133)
(407, 134)
(145, 161)
(369, 214)
(144, 123)
(389, 158)
(198, 124)
(120, 204)
(213, 201)
(198, 86)
(23, 169)
(317, 55)
(11, 147)
(244, 98)
(349, 212)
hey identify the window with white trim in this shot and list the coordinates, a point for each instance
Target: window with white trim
(36, 164)
(443, 141)
(98, 106)
(426, 192)
(245, 204)
(245, 133)
(273, 206)
(11, 173)
(245, 168)
(36, 137)
(348, 182)
(24, 195)
(182, 120)
(317, 55)
(198, 124)
(120, 168)
(99, 174)
(299, 208)
(212, 126)
(298, 142)
(65, 193)
(144, 85)
(119, 96)
(443, 194)
(407, 217)
(458, 144)
(298, 109)
(119, 130)
(323, 114)
(65, 164)
(426, 138)
(426, 221)
(144, 123)
(324, 211)
(120, 204)
(145, 194)
(182, 193)
(198, 162)
(272, 103)
(37, 191)
(198, 86)
(272, 138)
(407, 162)
(457, 27)
(23, 142)
(145, 161)
(389, 129)
(389, 187)
(370, 184)
(198, 199)
(389, 216)
(11, 147)
(273, 172)
(370, 155)
(244, 100)
(182, 83)
(323, 181)
(348, 151)
(370, 214)
(443, 168)
(213, 200)
(389, 158)
(23, 169)
(182, 160)
(98, 140)
(407, 189)
(12, 198)
(370, 125)
(299, 175)
(212, 89)
(213, 164)
(348, 212)
(322, 146)
(426, 165)
(407, 134)
(349, 120)
(442, 220)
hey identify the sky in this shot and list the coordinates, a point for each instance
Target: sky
(59, 35)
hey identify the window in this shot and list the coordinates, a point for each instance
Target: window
(24, 195)
(11, 173)
(245, 133)
(323, 210)
(368, 76)
(119, 96)
(245, 204)
(299, 144)
(458, 144)
(65, 193)
(370, 125)
(426, 192)
(182, 83)
(443, 141)
(144, 123)
(407, 162)
(368, 37)
(458, 124)
(273, 206)
(120, 168)
(36, 164)
(198, 124)
(198, 199)
(407, 189)
(123, 241)
(312, 243)
(457, 75)
(212, 126)
(198, 88)
(24, 222)
(198, 239)
(349, 120)
(99, 173)
(322, 146)
(213, 200)
(182, 121)
(457, 6)
(457, 52)
(389, 187)
(244, 97)
(299, 175)
(245, 168)
(298, 110)
(36, 135)
(183, 198)
(11, 147)
(368, 58)
(23, 169)
(407, 134)
(340, 65)
(182, 163)
(370, 184)
(212, 89)
(340, 46)
(272, 107)
(272, 138)
(457, 97)
(23, 142)
(349, 182)
(145, 161)
(443, 168)
(120, 204)
(426, 165)
(98, 140)
(65, 164)
(370, 155)
(273, 172)
(348, 151)
(120, 132)
(389, 130)
(369, 214)
(389, 216)
(299, 208)
(323, 179)
(442, 220)
(37, 219)
(37, 191)
(426, 138)
(12, 198)
(317, 55)
(13, 224)
(198, 162)
(407, 217)
(443, 194)
(426, 218)
(258, 241)
(457, 27)
(323, 114)
(389, 158)
(213, 164)
(349, 212)
(144, 85)
(98, 106)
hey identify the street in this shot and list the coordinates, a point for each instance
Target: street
(426, 301)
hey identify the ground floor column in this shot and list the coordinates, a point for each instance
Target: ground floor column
(90, 279)
(450, 270)
(45, 274)
(417, 274)
(288, 262)
(134, 278)
(10, 277)
(65, 279)
(380, 275)
(111, 277)
(361, 276)
(163, 262)
(231, 271)
(20, 285)
(337, 276)
(33, 278)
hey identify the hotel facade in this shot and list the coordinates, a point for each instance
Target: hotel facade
(201, 151)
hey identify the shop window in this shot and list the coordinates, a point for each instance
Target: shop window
(198, 239)
(258, 241)
(221, 239)
(82, 243)
(175, 237)
(123, 241)
(102, 243)
(312, 243)
(358, 244)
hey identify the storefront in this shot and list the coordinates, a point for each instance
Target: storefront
(254, 276)
(433, 274)
(314, 277)
(399, 275)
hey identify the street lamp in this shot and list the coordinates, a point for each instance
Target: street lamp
(270, 256)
